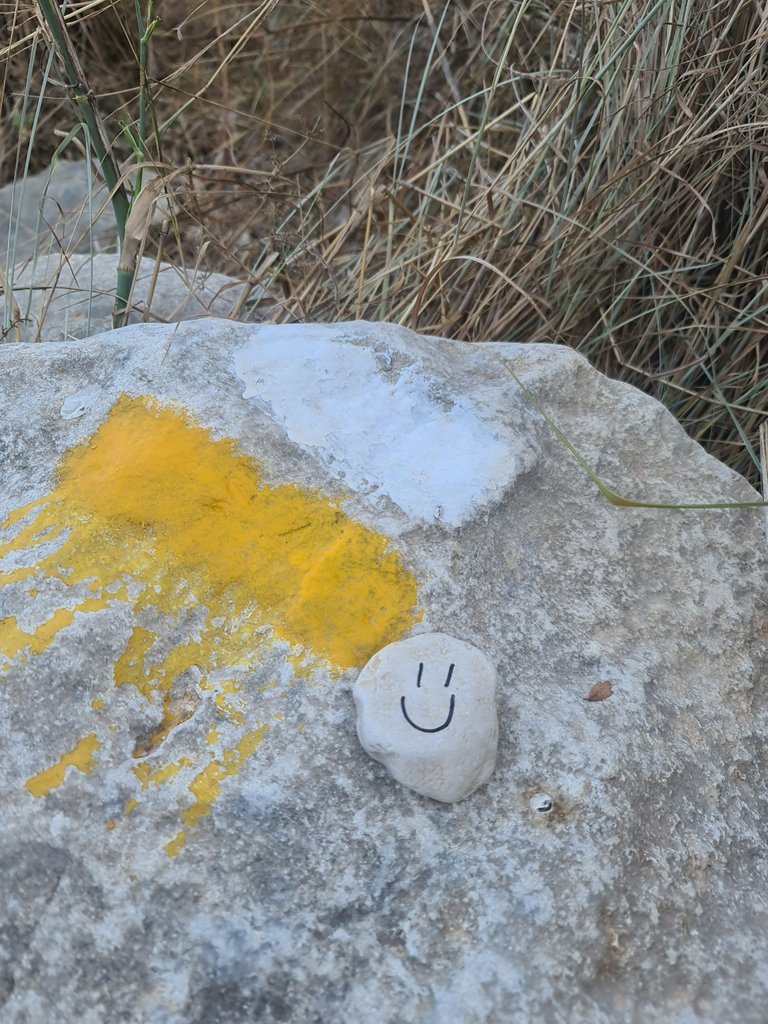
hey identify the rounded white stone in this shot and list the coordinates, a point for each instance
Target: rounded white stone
(426, 709)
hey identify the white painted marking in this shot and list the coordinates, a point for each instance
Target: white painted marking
(385, 433)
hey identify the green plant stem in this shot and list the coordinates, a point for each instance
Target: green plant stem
(126, 270)
(146, 27)
(85, 103)
(610, 495)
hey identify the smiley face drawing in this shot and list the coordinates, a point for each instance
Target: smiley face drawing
(447, 722)
(426, 710)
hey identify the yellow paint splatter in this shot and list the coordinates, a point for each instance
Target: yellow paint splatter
(176, 844)
(206, 785)
(18, 514)
(153, 512)
(13, 639)
(146, 774)
(303, 665)
(130, 667)
(80, 757)
(228, 688)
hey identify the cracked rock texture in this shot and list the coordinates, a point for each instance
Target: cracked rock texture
(207, 530)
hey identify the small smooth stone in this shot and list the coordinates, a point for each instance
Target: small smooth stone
(79, 404)
(426, 709)
(541, 803)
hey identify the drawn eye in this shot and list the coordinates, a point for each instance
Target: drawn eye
(421, 672)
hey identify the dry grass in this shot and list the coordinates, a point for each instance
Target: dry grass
(587, 172)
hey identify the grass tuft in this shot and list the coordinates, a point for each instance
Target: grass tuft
(587, 172)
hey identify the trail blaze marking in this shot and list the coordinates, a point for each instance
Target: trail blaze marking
(153, 512)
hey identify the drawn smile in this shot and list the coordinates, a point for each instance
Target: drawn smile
(421, 728)
(447, 722)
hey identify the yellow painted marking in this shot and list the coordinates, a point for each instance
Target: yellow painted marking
(226, 708)
(97, 704)
(18, 514)
(153, 497)
(176, 843)
(228, 688)
(13, 639)
(130, 805)
(80, 757)
(154, 512)
(213, 736)
(130, 668)
(146, 775)
(206, 785)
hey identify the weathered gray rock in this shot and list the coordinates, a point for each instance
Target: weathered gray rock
(191, 583)
(58, 244)
(55, 299)
(64, 209)
(426, 709)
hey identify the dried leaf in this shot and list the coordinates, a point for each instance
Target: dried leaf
(140, 217)
(600, 691)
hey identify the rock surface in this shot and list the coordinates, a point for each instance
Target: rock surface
(193, 571)
(57, 242)
(56, 299)
(426, 709)
(63, 209)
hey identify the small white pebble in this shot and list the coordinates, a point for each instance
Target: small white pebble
(426, 709)
(541, 803)
(79, 403)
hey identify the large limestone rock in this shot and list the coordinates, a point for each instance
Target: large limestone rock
(209, 528)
